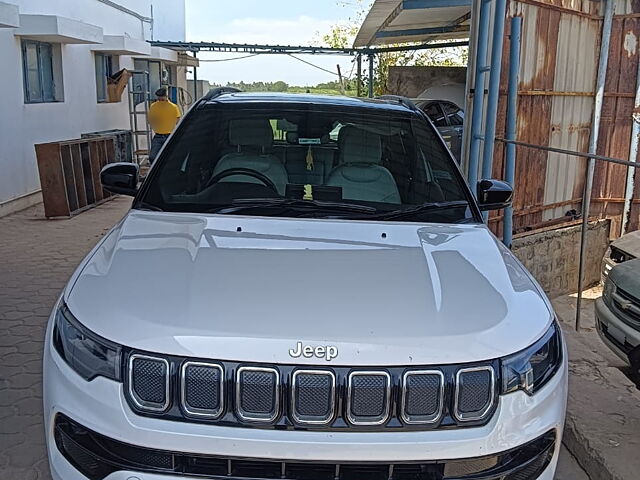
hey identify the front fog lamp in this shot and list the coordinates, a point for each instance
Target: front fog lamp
(530, 369)
(87, 353)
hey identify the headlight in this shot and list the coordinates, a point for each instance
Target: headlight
(530, 369)
(87, 353)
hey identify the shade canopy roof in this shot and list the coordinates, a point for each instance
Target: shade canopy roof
(404, 21)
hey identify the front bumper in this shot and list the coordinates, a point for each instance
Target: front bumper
(100, 406)
(621, 338)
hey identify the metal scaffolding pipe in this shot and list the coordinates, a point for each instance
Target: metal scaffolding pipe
(593, 143)
(633, 157)
(371, 59)
(512, 115)
(478, 96)
(195, 79)
(359, 76)
(494, 91)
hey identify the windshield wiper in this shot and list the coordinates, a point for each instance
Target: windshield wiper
(425, 207)
(148, 206)
(245, 204)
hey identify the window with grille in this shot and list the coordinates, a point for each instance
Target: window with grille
(41, 67)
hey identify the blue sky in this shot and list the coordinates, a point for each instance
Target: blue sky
(288, 22)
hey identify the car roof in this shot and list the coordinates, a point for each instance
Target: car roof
(309, 99)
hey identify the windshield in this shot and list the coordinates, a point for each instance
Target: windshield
(307, 161)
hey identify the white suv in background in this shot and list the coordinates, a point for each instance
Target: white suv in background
(285, 303)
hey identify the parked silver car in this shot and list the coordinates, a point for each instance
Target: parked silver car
(448, 118)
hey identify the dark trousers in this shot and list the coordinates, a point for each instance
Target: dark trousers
(156, 144)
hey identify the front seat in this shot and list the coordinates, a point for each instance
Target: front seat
(360, 173)
(252, 137)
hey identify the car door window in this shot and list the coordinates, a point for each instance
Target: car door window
(453, 113)
(434, 112)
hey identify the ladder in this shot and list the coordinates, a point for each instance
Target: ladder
(139, 98)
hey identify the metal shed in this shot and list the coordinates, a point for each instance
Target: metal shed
(560, 54)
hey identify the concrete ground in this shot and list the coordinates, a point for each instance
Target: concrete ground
(603, 417)
(37, 257)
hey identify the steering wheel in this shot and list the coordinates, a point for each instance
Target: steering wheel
(243, 171)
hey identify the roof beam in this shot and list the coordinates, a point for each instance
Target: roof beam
(392, 16)
(419, 46)
(414, 32)
(251, 48)
(424, 4)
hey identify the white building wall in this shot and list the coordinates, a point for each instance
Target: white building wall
(23, 125)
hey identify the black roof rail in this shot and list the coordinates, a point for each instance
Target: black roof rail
(216, 92)
(399, 99)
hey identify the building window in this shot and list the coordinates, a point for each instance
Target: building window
(105, 68)
(154, 68)
(41, 68)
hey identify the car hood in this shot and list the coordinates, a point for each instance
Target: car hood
(250, 288)
(629, 243)
(625, 275)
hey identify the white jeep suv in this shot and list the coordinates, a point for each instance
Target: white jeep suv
(303, 290)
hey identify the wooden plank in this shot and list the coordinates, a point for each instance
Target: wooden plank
(86, 171)
(52, 180)
(78, 175)
(70, 183)
(94, 160)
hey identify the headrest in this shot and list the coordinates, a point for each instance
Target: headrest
(359, 146)
(250, 132)
(292, 137)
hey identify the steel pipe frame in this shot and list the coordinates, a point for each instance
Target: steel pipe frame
(195, 79)
(371, 60)
(284, 50)
(478, 96)
(494, 91)
(359, 76)
(512, 115)
(593, 144)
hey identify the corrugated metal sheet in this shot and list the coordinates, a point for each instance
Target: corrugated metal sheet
(559, 62)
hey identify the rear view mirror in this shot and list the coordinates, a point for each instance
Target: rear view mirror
(494, 194)
(121, 177)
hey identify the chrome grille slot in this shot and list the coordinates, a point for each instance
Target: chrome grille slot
(474, 397)
(422, 396)
(368, 397)
(149, 382)
(627, 304)
(201, 389)
(313, 396)
(257, 394)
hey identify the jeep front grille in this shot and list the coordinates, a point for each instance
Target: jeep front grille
(149, 382)
(258, 394)
(313, 398)
(288, 397)
(368, 397)
(422, 396)
(202, 389)
(474, 393)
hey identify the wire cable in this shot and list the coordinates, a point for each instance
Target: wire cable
(228, 59)
(313, 65)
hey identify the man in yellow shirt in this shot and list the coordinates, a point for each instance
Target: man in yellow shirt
(163, 117)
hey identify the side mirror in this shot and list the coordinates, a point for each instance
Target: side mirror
(121, 177)
(494, 194)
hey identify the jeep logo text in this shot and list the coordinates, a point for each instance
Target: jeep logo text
(328, 352)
